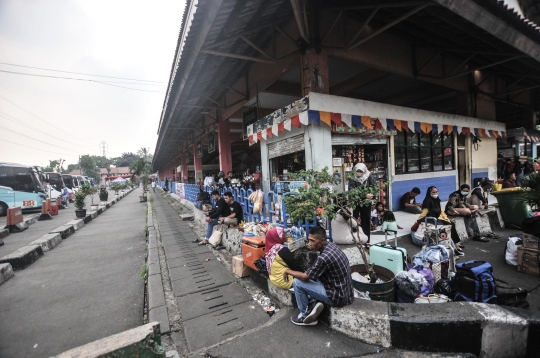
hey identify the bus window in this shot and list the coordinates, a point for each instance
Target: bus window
(55, 181)
(24, 180)
(7, 178)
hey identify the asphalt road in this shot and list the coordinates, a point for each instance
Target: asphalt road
(85, 289)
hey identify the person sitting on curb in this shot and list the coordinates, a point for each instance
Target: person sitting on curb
(479, 195)
(221, 210)
(235, 208)
(457, 204)
(509, 181)
(328, 281)
(408, 202)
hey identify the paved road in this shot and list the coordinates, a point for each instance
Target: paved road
(85, 289)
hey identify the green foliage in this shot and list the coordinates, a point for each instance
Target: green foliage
(126, 159)
(531, 192)
(79, 200)
(144, 272)
(315, 198)
(89, 166)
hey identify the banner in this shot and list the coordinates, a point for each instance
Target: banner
(199, 149)
(180, 190)
(211, 142)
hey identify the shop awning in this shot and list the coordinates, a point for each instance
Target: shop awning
(522, 135)
(349, 115)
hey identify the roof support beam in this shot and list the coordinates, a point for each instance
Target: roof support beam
(484, 67)
(463, 63)
(236, 37)
(299, 17)
(389, 25)
(240, 57)
(364, 25)
(332, 26)
(287, 36)
(250, 43)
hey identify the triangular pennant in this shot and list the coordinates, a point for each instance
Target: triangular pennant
(459, 129)
(259, 136)
(357, 121)
(251, 140)
(275, 128)
(336, 118)
(441, 128)
(488, 133)
(366, 121)
(295, 121)
(255, 137)
(476, 132)
(390, 124)
(482, 132)
(434, 129)
(281, 127)
(263, 134)
(269, 132)
(314, 116)
(250, 130)
(465, 130)
(288, 124)
(405, 126)
(397, 124)
(377, 126)
(410, 126)
(346, 118)
(325, 117)
(417, 127)
(384, 123)
(445, 129)
(454, 130)
(304, 118)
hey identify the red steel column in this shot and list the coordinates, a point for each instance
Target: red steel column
(184, 173)
(314, 72)
(197, 163)
(224, 145)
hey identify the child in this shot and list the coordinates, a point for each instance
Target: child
(389, 222)
(377, 214)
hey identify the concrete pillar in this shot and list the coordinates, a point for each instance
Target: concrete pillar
(184, 173)
(314, 74)
(176, 174)
(224, 145)
(197, 163)
(265, 167)
(318, 141)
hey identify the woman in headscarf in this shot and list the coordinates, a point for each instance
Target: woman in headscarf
(362, 177)
(457, 204)
(279, 258)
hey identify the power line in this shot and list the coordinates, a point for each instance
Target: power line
(78, 73)
(16, 105)
(39, 140)
(13, 119)
(40, 149)
(78, 79)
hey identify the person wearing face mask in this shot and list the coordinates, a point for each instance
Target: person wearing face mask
(479, 195)
(363, 178)
(457, 204)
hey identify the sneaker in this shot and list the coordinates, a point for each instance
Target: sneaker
(480, 238)
(299, 321)
(204, 242)
(195, 241)
(314, 312)
(458, 252)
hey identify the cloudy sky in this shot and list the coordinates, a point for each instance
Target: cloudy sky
(43, 118)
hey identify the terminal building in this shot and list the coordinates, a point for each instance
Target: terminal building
(423, 92)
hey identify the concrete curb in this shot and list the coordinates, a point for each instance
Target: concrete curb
(47, 242)
(23, 257)
(77, 223)
(142, 341)
(27, 221)
(4, 233)
(6, 272)
(64, 230)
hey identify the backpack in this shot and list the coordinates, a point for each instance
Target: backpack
(511, 296)
(474, 282)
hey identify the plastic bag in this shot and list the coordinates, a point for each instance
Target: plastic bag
(511, 251)
(410, 282)
(427, 286)
(444, 287)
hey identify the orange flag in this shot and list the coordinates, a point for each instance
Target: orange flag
(366, 122)
(397, 124)
(326, 117)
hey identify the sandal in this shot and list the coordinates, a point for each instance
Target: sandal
(204, 242)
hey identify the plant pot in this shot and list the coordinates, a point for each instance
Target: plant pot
(94, 206)
(80, 213)
(142, 198)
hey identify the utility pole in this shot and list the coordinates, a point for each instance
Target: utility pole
(103, 148)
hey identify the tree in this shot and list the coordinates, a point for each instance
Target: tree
(126, 159)
(70, 168)
(54, 166)
(88, 166)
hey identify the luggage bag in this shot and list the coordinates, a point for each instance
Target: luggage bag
(393, 258)
(431, 237)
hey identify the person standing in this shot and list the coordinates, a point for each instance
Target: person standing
(327, 282)
(154, 186)
(409, 204)
(363, 178)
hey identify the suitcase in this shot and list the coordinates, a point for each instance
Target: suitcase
(431, 237)
(392, 258)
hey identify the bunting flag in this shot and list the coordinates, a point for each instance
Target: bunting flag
(482, 132)
(434, 129)
(397, 124)
(426, 127)
(255, 137)
(490, 133)
(275, 128)
(454, 130)
(384, 123)
(449, 129)
(487, 132)
(356, 121)
(250, 130)
(281, 127)
(263, 134)
(405, 126)
(390, 124)
(314, 116)
(366, 121)
(269, 132)
(250, 140)
(475, 130)
(326, 118)
(346, 118)
(378, 126)
(336, 118)
(295, 121)
(288, 124)
(441, 128)
(304, 118)
(417, 127)
(496, 134)
(410, 126)
(259, 136)
(465, 130)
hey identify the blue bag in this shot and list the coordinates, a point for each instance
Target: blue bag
(474, 282)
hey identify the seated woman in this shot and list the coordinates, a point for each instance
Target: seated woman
(431, 207)
(377, 214)
(509, 181)
(279, 258)
(457, 204)
(345, 230)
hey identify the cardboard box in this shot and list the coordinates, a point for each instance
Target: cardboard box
(528, 261)
(239, 269)
(530, 241)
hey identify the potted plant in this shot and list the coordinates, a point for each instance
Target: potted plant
(103, 194)
(80, 204)
(92, 191)
(115, 187)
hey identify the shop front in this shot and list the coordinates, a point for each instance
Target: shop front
(402, 146)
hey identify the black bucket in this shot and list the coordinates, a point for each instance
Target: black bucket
(385, 291)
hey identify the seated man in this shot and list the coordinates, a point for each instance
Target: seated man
(457, 204)
(328, 281)
(509, 181)
(479, 195)
(220, 211)
(409, 204)
(235, 209)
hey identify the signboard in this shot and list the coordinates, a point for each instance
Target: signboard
(249, 116)
(199, 149)
(211, 142)
(336, 162)
(180, 190)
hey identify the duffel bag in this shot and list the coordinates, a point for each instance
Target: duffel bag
(511, 296)
(474, 282)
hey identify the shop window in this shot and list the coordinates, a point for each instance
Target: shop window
(423, 152)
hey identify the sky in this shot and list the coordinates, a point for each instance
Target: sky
(44, 118)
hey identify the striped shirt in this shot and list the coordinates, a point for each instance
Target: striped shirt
(333, 270)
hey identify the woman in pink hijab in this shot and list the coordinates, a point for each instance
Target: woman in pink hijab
(279, 258)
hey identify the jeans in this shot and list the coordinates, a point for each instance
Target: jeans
(154, 189)
(308, 291)
(412, 209)
(210, 228)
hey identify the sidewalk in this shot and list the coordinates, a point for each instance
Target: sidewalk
(85, 289)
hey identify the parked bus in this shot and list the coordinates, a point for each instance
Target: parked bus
(56, 184)
(20, 186)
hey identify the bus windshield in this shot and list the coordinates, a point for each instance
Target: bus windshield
(20, 178)
(68, 181)
(55, 180)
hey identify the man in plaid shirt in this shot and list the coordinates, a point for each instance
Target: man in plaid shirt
(328, 281)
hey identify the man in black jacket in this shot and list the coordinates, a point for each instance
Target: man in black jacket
(221, 210)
